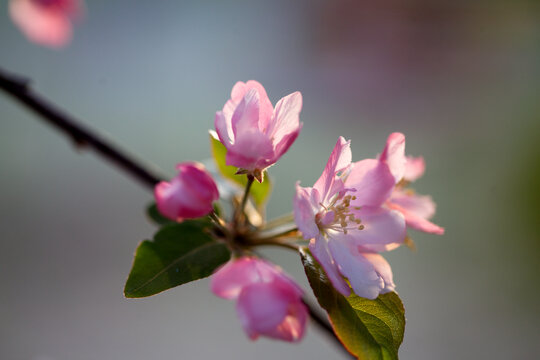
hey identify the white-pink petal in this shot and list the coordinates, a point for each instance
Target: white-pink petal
(372, 180)
(304, 211)
(364, 280)
(339, 160)
(414, 168)
(394, 155)
(319, 249)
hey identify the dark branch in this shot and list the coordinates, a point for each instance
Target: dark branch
(19, 89)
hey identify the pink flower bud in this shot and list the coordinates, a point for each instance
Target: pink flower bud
(268, 302)
(46, 22)
(189, 194)
(255, 133)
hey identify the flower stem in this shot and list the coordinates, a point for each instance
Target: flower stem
(239, 212)
(250, 178)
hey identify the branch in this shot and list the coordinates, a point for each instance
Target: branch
(20, 90)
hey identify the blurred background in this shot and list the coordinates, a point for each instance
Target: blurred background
(461, 79)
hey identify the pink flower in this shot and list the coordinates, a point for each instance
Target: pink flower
(268, 302)
(46, 22)
(343, 217)
(188, 195)
(417, 209)
(256, 134)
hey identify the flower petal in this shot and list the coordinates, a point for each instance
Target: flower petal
(304, 212)
(50, 26)
(394, 155)
(293, 326)
(383, 229)
(414, 168)
(224, 129)
(286, 117)
(382, 267)
(286, 142)
(372, 180)
(246, 115)
(364, 280)
(420, 205)
(416, 222)
(229, 280)
(261, 308)
(339, 160)
(319, 249)
(249, 149)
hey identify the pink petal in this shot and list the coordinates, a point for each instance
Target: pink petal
(383, 269)
(261, 308)
(293, 326)
(319, 249)
(420, 205)
(42, 25)
(394, 155)
(239, 91)
(372, 180)
(304, 211)
(285, 143)
(414, 168)
(249, 149)
(383, 229)
(223, 129)
(245, 118)
(416, 222)
(364, 280)
(229, 280)
(286, 117)
(339, 160)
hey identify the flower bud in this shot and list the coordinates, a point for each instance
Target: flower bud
(255, 133)
(268, 302)
(188, 195)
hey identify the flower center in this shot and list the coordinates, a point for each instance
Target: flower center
(338, 216)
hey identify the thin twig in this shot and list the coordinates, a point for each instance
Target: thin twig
(19, 89)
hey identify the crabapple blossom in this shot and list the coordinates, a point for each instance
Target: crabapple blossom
(255, 133)
(189, 194)
(46, 22)
(344, 218)
(268, 302)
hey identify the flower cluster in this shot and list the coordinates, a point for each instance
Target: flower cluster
(352, 213)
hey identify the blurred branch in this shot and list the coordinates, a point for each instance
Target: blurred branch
(19, 88)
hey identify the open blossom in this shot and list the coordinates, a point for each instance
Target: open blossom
(417, 209)
(268, 302)
(344, 218)
(46, 22)
(255, 133)
(188, 195)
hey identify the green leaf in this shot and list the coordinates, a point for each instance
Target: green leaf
(259, 191)
(179, 253)
(369, 329)
(154, 215)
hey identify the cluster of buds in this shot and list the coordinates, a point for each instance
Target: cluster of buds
(352, 213)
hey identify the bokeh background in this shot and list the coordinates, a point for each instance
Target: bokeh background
(461, 79)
